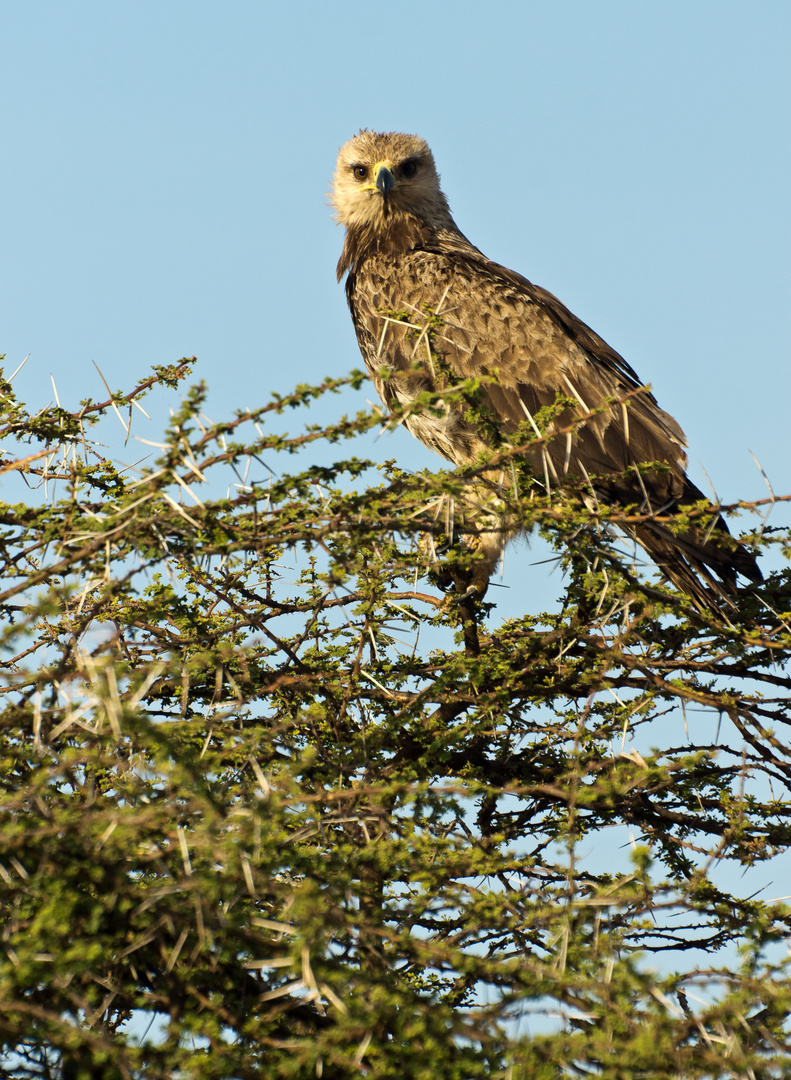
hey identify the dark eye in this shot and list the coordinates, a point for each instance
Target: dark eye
(408, 169)
(359, 172)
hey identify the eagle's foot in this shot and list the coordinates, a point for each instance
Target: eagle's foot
(465, 574)
(472, 592)
(459, 592)
(472, 585)
(467, 579)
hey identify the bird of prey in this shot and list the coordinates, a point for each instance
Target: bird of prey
(431, 311)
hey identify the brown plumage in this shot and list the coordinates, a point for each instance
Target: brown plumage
(429, 307)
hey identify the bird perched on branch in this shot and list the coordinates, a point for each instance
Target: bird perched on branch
(431, 311)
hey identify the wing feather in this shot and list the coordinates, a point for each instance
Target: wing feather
(528, 348)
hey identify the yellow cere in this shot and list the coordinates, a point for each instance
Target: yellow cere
(386, 164)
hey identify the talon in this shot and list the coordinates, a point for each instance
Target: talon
(442, 578)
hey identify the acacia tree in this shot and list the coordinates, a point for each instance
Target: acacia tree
(273, 806)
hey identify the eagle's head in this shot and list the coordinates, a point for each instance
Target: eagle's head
(383, 176)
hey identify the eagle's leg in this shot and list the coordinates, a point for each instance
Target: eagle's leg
(469, 572)
(485, 553)
(463, 573)
(489, 532)
(469, 575)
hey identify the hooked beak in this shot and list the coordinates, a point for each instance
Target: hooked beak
(385, 181)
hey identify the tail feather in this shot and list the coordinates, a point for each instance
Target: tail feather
(690, 560)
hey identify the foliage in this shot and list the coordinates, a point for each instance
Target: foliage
(244, 800)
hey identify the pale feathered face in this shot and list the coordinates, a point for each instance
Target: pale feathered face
(381, 176)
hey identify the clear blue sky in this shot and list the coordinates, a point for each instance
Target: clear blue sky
(165, 168)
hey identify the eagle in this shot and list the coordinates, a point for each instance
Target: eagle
(432, 312)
